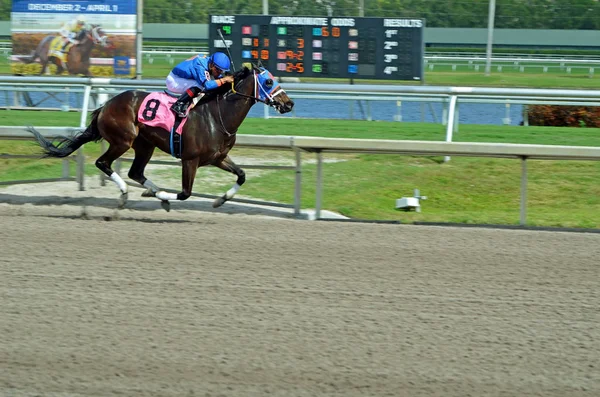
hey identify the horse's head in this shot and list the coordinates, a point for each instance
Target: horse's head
(98, 36)
(264, 88)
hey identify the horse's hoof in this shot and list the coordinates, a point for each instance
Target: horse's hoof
(149, 193)
(166, 205)
(122, 201)
(219, 202)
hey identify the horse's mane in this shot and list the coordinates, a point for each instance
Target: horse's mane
(237, 77)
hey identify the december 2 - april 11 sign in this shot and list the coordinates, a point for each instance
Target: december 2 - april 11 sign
(344, 47)
(78, 38)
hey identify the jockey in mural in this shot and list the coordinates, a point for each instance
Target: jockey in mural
(70, 30)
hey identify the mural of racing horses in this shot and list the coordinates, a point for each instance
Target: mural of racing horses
(208, 134)
(78, 56)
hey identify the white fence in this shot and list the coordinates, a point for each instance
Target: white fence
(319, 146)
(450, 95)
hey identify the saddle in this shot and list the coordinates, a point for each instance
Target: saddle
(55, 48)
(155, 111)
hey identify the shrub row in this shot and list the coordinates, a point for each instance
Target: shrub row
(564, 116)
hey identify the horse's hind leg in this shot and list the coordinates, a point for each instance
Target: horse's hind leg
(228, 165)
(104, 163)
(44, 64)
(143, 154)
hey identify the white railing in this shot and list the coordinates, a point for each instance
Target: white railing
(501, 56)
(319, 146)
(450, 95)
(513, 60)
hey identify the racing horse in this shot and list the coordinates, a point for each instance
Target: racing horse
(207, 136)
(78, 56)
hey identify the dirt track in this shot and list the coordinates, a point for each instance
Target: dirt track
(207, 304)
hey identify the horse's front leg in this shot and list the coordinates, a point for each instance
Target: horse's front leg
(188, 173)
(228, 165)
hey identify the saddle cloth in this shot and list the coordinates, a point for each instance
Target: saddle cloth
(155, 111)
(55, 48)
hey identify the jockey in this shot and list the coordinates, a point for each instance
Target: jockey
(71, 29)
(196, 75)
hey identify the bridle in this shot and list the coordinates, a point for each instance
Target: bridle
(256, 98)
(257, 90)
(95, 37)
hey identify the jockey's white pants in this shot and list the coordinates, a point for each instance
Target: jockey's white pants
(178, 85)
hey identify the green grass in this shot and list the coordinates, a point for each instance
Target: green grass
(465, 190)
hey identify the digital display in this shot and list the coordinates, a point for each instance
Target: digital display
(348, 47)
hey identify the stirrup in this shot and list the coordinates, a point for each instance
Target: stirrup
(180, 113)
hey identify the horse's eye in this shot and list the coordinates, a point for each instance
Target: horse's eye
(269, 83)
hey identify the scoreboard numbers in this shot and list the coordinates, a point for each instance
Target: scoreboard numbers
(369, 48)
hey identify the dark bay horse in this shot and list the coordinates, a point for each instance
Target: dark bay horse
(78, 56)
(208, 135)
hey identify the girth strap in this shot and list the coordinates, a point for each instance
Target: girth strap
(176, 145)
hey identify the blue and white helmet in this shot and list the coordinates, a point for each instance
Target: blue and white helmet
(221, 61)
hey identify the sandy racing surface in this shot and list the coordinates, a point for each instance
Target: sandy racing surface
(208, 303)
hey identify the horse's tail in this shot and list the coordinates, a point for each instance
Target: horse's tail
(68, 145)
(29, 58)
(41, 49)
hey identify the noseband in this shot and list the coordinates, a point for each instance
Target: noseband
(257, 90)
(95, 36)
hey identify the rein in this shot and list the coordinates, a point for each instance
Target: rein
(255, 98)
(221, 119)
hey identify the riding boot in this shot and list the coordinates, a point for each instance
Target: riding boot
(182, 103)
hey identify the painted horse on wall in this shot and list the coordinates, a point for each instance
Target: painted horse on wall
(206, 138)
(76, 59)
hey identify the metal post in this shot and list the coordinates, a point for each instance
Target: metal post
(369, 117)
(266, 112)
(523, 216)
(66, 169)
(361, 8)
(102, 174)
(138, 45)
(80, 169)
(85, 106)
(80, 174)
(433, 115)
(399, 110)
(298, 187)
(526, 115)
(456, 117)
(265, 7)
(319, 190)
(506, 120)
(445, 113)
(451, 117)
(488, 57)
(65, 107)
